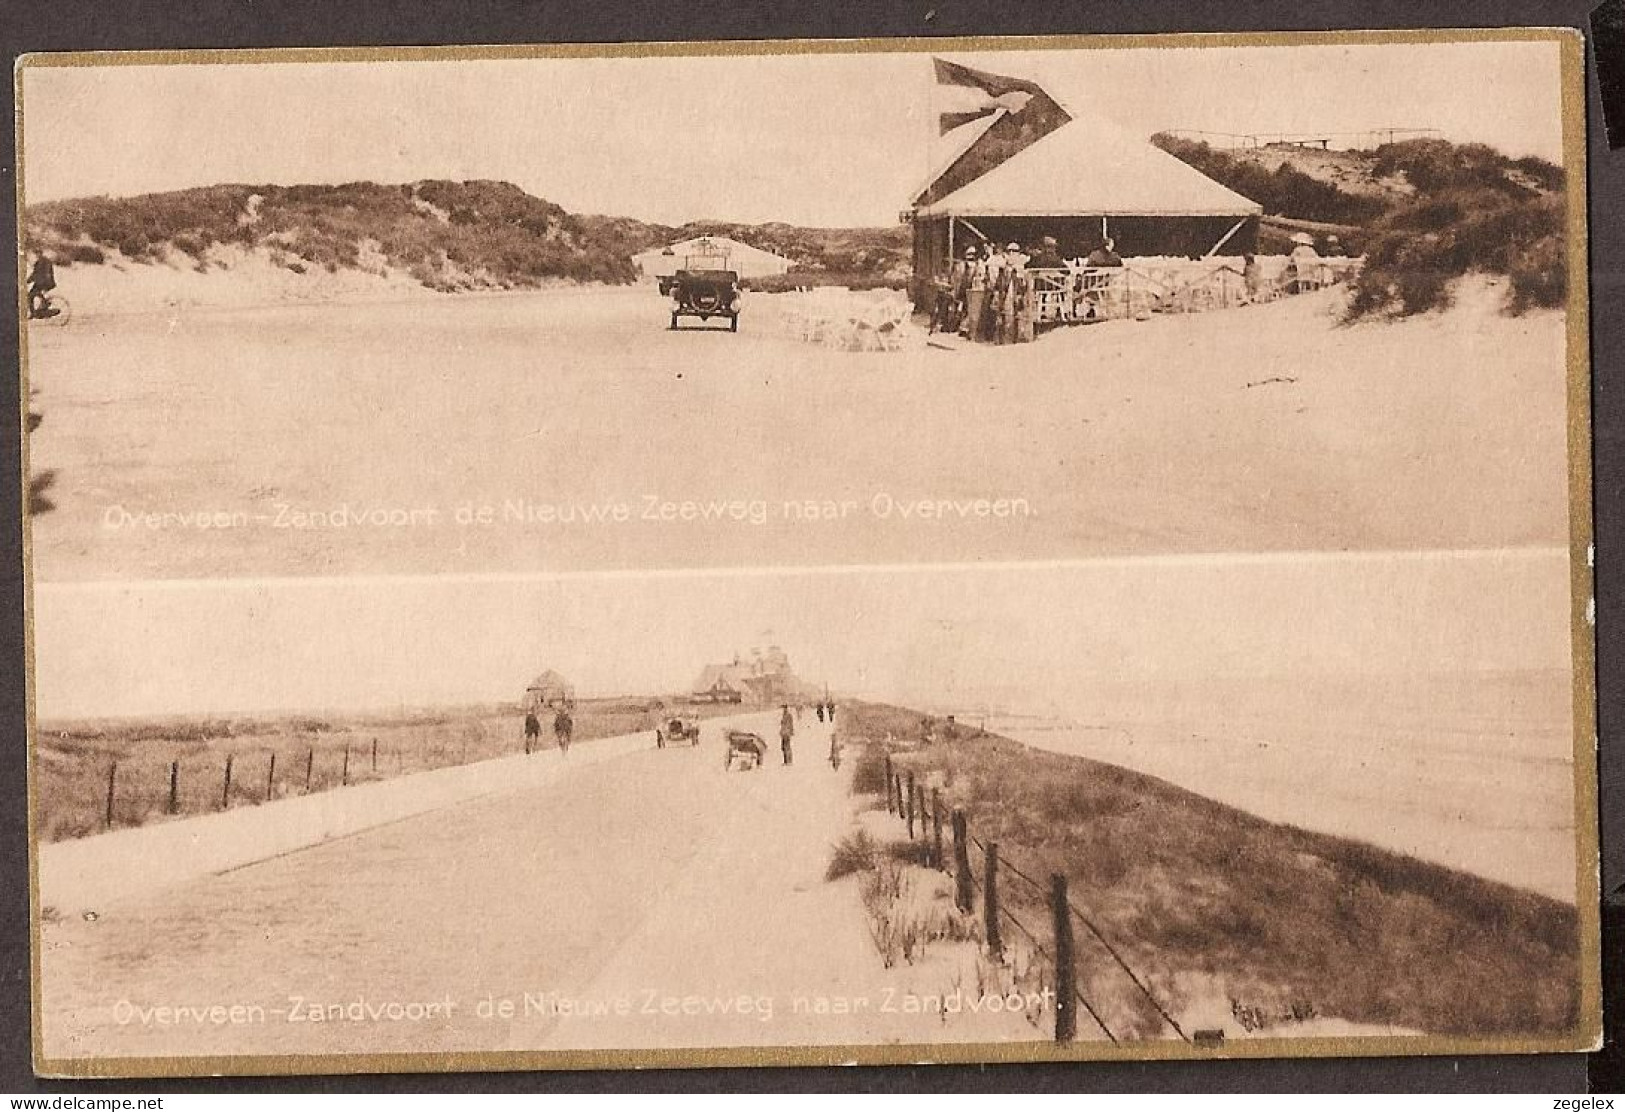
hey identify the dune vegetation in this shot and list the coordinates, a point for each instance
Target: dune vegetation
(1424, 212)
(274, 756)
(445, 235)
(1205, 899)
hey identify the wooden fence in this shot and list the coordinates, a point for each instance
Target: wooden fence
(924, 815)
(137, 790)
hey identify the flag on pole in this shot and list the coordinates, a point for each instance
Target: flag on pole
(992, 92)
(1019, 113)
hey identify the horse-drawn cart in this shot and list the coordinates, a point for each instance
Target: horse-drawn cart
(748, 748)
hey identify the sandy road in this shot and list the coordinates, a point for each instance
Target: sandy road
(350, 438)
(652, 875)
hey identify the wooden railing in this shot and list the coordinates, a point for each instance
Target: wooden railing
(1076, 295)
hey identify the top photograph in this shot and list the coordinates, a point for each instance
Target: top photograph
(495, 311)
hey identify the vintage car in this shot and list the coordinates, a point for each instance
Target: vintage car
(749, 748)
(705, 294)
(677, 730)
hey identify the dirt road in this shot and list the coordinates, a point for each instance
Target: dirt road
(634, 903)
(570, 429)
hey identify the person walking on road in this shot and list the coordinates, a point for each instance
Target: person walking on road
(533, 730)
(564, 728)
(787, 730)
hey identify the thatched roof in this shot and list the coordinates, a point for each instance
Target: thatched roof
(722, 677)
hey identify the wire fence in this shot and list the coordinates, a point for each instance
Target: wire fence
(83, 791)
(1365, 140)
(133, 790)
(1052, 943)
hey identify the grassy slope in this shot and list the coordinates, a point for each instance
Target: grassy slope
(72, 758)
(447, 235)
(1197, 894)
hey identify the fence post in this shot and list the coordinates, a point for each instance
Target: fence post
(346, 778)
(225, 792)
(888, 781)
(964, 898)
(310, 765)
(112, 780)
(1066, 974)
(896, 790)
(375, 754)
(990, 901)
(270, 778)
(911, 806)
(174, 787)
(936, 828)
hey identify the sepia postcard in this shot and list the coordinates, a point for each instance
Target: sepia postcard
(808, 552)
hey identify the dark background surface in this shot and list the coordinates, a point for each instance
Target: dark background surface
(187, 24)
(1608, 46)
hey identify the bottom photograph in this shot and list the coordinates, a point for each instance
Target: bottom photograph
(1306, 804)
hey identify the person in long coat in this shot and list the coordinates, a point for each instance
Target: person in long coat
(1011, 294)
(974, 324)
(787, 730)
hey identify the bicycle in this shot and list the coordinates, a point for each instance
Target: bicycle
(50, 307)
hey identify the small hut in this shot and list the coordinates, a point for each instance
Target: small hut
(549, 691)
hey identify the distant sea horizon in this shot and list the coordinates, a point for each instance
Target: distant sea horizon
(1474, 770)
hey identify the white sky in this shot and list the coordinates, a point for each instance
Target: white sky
(829, 139)
(1033, 633)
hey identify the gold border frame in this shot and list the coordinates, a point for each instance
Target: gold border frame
(1587, 1034)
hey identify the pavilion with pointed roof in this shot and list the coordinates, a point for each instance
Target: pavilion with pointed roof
(1079, 180)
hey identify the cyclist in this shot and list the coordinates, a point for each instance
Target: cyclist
(41, 281)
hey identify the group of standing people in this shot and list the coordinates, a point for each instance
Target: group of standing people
(990, 297)
(564, 727)
(787, 731)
